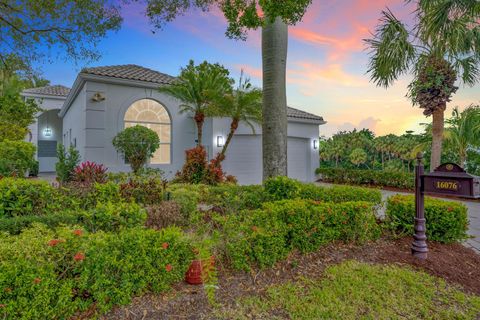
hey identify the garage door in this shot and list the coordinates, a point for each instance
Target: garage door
(298, 158)
(244, 159)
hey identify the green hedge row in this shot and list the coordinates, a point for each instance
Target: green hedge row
(368, 177)
(52, 274)
(446, 221)
(264, 236)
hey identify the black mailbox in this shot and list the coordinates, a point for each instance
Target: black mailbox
(451, 179)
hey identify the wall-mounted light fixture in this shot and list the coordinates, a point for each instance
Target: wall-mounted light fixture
(98, 97)
(47, 132)
(315, 144)
(220, 141)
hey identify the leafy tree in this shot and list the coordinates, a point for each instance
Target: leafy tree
(242, 105)
(16, 157)
(442, 46)
(463, 132)
(358, 156)
(273, 17)
(137, 144)
(197, 87)
(28, 27)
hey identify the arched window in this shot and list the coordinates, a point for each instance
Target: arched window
(153, 115)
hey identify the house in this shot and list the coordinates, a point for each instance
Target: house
(105, 100)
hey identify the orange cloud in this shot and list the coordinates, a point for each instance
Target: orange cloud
(311, 74)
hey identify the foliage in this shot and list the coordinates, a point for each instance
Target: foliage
(186, 198)
(34, 168)
(233, 198)
(67, 162)
(16, 158)
(16, 224)
(338, 194)
(21, 197)
(198, 87)
(243, 105)
(281, 187)
(197, 170)
(163, 215)
(113, 217)
(89, 173)
(358, 156)
(137, 144)
(446, 221)
(264, 236)
(368, 177)
(16, 113)
(30, 29)
(45, 272)
(144, 190)
(357, 290)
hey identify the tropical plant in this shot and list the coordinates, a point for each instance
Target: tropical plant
(273, 17)
(463, 132)
(358, 156)
(16, 158)
(442, 46)
(242, 105)
(67, 162)
(137, 144)
(197, 87)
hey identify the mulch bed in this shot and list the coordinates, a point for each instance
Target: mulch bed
(455, 263)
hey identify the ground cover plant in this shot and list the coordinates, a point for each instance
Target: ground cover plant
(354, 290)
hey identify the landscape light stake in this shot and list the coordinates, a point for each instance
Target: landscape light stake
(419, 245)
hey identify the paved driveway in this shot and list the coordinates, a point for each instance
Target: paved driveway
(473, 217)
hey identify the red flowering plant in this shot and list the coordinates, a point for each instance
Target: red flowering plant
(89, 173)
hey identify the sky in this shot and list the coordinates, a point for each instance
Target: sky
(326, 68)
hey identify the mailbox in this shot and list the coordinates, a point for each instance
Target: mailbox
(451, 179)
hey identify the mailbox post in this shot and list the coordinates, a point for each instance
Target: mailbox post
(419, 245)
(447, 179)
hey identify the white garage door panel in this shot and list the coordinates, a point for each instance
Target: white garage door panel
(298, 163)
(244, 159)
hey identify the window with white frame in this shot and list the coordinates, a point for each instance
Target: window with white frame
(151, 114)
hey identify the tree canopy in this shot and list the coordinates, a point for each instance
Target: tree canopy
(30, 29)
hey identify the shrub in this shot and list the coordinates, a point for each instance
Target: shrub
(446, 221)
(166, 214)
(15, 225)
(16, 158)
(281, 187)
(34, 168)
(187, 199)
(137, 144)
(89, 173)
(339, 194)
(146, 172)
(47, 274)
(113, 216)
(143, 190)
(368, 177)
(20, 197)
(233, 198)
(67, 161)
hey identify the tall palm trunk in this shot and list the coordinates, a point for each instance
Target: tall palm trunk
(274, 125)
(437, 137)
(233, 128)
(199, 120)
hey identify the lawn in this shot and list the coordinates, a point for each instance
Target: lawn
(354, 290)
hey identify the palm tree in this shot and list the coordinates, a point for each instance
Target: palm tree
(197, 87)
(242, 105)
(443, 45)
(463, 131)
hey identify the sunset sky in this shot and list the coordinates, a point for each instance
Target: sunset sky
(327, 61)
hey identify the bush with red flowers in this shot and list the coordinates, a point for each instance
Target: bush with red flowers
(46, 274)
(89, 173)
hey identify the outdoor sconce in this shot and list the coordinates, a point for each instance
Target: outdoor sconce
(47, 132)
(220, 141)
(315, 144)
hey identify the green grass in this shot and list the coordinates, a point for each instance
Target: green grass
(354, 290)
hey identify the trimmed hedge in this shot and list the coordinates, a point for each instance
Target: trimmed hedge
(15, 225)
(446, 221)
(339, 194)
(46, 274)
(368, 177)
(265, 236)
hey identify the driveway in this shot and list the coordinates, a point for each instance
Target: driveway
(473, 217)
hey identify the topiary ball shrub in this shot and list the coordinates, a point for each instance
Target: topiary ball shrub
(281, 188)
(447, 221)
(137, 144)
